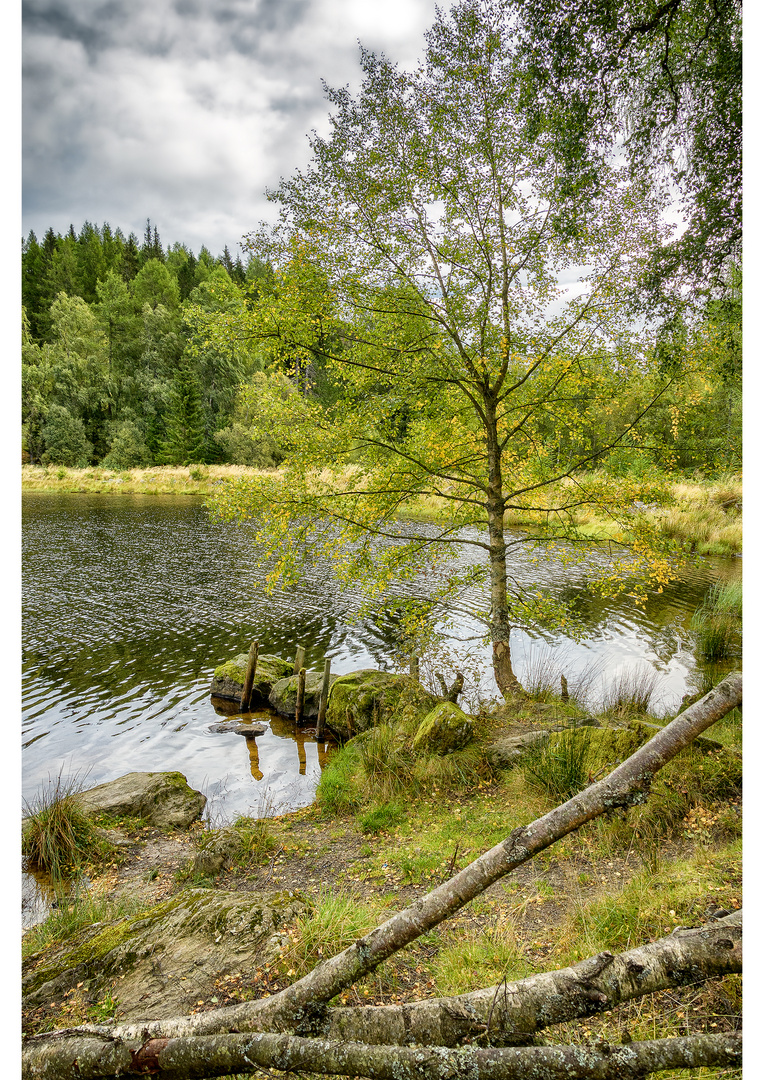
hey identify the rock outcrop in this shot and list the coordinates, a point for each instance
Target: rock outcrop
(364, 699)
(163, 799)
(445, 729)
(162, 962)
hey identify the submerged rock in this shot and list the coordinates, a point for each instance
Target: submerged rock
(364, 699)
(228, 679)
(445, 729)
(162, 962)
(161, 798)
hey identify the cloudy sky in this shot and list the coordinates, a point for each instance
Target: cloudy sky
(185, 111)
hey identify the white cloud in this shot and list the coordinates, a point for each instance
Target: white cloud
(186, 111)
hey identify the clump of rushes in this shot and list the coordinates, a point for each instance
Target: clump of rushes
(57, 835)
(718, 621)
(632, 692)
(559, 765)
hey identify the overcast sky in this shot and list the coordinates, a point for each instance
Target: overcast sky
(185, 111)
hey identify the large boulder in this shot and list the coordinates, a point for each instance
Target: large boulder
(228, 679)
(283, 695)
(445, 729)
(162, 962)
(364, 699)
(161, 798)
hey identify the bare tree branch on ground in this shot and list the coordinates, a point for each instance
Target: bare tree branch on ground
(302, 1008)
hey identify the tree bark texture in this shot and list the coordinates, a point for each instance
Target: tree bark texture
(102, 1057)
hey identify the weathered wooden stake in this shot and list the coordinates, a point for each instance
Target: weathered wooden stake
(322, 702)
(564, 695)
(300, 708)
(249, 678)
(299, 659)
(414, 666)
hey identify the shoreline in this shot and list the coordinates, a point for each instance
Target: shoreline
(704, 516)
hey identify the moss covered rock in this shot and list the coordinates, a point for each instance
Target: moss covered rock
(162, 962)
(228, 679)
(445, 729)
(506, 752)
(161, 798)
(363, 699)
(283, 694)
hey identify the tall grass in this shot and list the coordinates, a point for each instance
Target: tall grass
(334, 923)
(717, 623)
(544, 668)
(559, 765)
(631, 692)
(57, 835)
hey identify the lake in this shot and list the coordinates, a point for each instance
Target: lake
(131, 601)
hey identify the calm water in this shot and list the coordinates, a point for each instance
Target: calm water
(130, 602)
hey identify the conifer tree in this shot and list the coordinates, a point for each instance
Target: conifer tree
(184, 442)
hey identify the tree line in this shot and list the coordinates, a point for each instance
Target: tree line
(116, 368)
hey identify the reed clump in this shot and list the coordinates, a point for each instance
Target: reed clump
(717, 623)
(58, 836)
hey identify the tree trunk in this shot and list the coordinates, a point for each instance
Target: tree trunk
(506, 680)
(207, 1056)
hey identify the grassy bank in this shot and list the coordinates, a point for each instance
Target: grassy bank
(704, 516)
(387, 828)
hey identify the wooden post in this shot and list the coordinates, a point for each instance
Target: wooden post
(249, 678)
(564, 695)
(414, 666)
(322, 701)
(300, 707)
(299, 659)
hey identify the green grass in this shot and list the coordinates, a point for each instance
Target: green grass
(334, 922)
(57, 836)
(70, 916)
(381, 818)
(653, 903)
(479, 957)
(559, 765)
(717, 623)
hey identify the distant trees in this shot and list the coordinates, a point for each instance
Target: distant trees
(118, 365)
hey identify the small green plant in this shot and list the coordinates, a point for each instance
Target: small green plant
(57, 835)
(559, 765)
(381, 818)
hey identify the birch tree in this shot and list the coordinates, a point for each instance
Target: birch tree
(443, 228)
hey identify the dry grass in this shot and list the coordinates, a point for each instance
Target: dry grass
(159, 479)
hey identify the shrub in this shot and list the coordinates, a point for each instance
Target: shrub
(65, 440)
